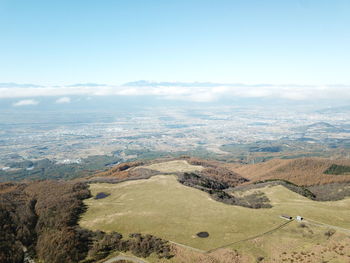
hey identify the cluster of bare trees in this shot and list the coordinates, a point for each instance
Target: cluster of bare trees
(43, 217)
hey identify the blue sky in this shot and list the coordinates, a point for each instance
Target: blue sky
(277, 42)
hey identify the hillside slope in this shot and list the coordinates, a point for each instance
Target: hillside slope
(304, 171)
(146, 169)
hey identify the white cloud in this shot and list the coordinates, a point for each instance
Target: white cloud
(202, 92)
(63, 100)
(25, 103)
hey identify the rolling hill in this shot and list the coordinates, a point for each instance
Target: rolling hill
(163, 206)
(303, 171)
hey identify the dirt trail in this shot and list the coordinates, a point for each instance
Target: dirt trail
(188, 247)
(233, 243)
(316, 223)
(251, 238)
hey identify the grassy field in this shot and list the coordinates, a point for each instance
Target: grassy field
(176, 166)
(163, 207)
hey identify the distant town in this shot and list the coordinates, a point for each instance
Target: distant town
(238, 133)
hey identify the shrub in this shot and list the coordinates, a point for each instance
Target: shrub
(338, 169)
(329, 233)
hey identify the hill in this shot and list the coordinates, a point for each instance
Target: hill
(213, 170)
(163, 207)
(303, 171)
(176, 199)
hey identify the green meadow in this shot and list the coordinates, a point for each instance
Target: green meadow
(163, 207)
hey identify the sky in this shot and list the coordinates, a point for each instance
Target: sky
(304, 44)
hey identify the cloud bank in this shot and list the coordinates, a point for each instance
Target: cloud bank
(25, 103)
(196, 91)
(63, 100)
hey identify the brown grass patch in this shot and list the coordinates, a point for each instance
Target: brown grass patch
(183, 255)
(304, 171)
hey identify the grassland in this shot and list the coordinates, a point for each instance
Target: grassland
(176, 166)
(163, 207)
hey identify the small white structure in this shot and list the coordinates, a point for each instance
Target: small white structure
(299, 218)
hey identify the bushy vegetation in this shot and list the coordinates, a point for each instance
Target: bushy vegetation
(122, 167)
(225, 175)
(323, 192)
(301, 171)
(331, 192)
(329, 233)
(254, 200)
(123, 172)
(145, 245)
(217, 171)
(293, 187)
(195, 180)
(338, 170)
(140, 245)
(43, 216)
(216, 189)
(13, 232)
